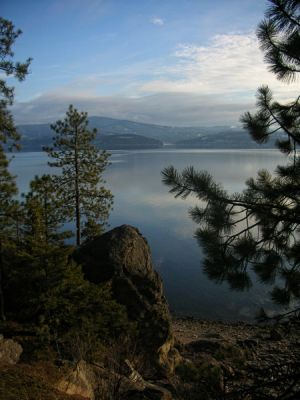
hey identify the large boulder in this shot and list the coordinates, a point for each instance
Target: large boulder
(122, 258)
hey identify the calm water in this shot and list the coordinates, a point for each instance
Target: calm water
(143, 201)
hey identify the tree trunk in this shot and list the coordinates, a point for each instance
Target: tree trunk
(78, 233)
(46, 219)
(77, 196)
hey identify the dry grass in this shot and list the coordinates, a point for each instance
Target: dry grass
(31, 382)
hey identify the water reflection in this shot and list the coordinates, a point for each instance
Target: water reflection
(143, 201)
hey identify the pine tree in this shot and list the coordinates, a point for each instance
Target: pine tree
(8, 35)
(82, 165)
(259, 228)
(52, 293)
(40, 259)
(44, 212)
(8, 212)
(8, 137)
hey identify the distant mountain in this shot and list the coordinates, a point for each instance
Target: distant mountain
(225, 139)
(123, 134)
(34, 137)
(127, 142)
(110, 126)
(170, 134)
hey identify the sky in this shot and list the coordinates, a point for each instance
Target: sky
(169, 62)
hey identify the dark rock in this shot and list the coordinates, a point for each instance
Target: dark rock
(213, 335)
(122, 258)
(205, 345)
(275, 335)
(248, 343)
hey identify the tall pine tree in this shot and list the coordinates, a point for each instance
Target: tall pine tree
(85, 198)
(52, 293)
(10, 68)
(8, 216)
(8, 138)
(259, 228)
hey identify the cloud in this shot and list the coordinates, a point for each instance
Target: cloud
(195, 86)
(177, 109)
(157, 21)
(231, 64)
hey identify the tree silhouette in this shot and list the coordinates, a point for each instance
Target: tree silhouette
(44, 213)
(259, 228)
(8, 136)
(10, 68)
(80, 184)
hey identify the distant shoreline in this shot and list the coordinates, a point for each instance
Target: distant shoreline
(164, 148)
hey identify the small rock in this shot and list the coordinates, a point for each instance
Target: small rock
(248, 343)
(213, 335)
(81, 381)
(10, 351)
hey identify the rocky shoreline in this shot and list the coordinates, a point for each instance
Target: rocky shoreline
(247, 355)
(233, 359)
(280, 342)
(160, 357)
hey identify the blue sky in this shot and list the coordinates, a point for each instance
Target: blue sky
(175, 62)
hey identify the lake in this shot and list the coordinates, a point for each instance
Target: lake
(141, 200)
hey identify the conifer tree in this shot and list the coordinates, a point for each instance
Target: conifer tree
(8, 211)
(52, 293)
(41, 259)
(8, 67)
(259, 228)
(85, 198)
(8, 137)
(44, 212)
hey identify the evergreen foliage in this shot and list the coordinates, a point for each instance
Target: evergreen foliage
(43, 286)
(44, 212)
(8, 190)
(279, 38)
(259, 228)
(8, 35)
(8, 136)
(82, 165)
(39, 280)
(9, 220)
(46, 288)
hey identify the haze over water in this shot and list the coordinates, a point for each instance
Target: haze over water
(143, 201)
